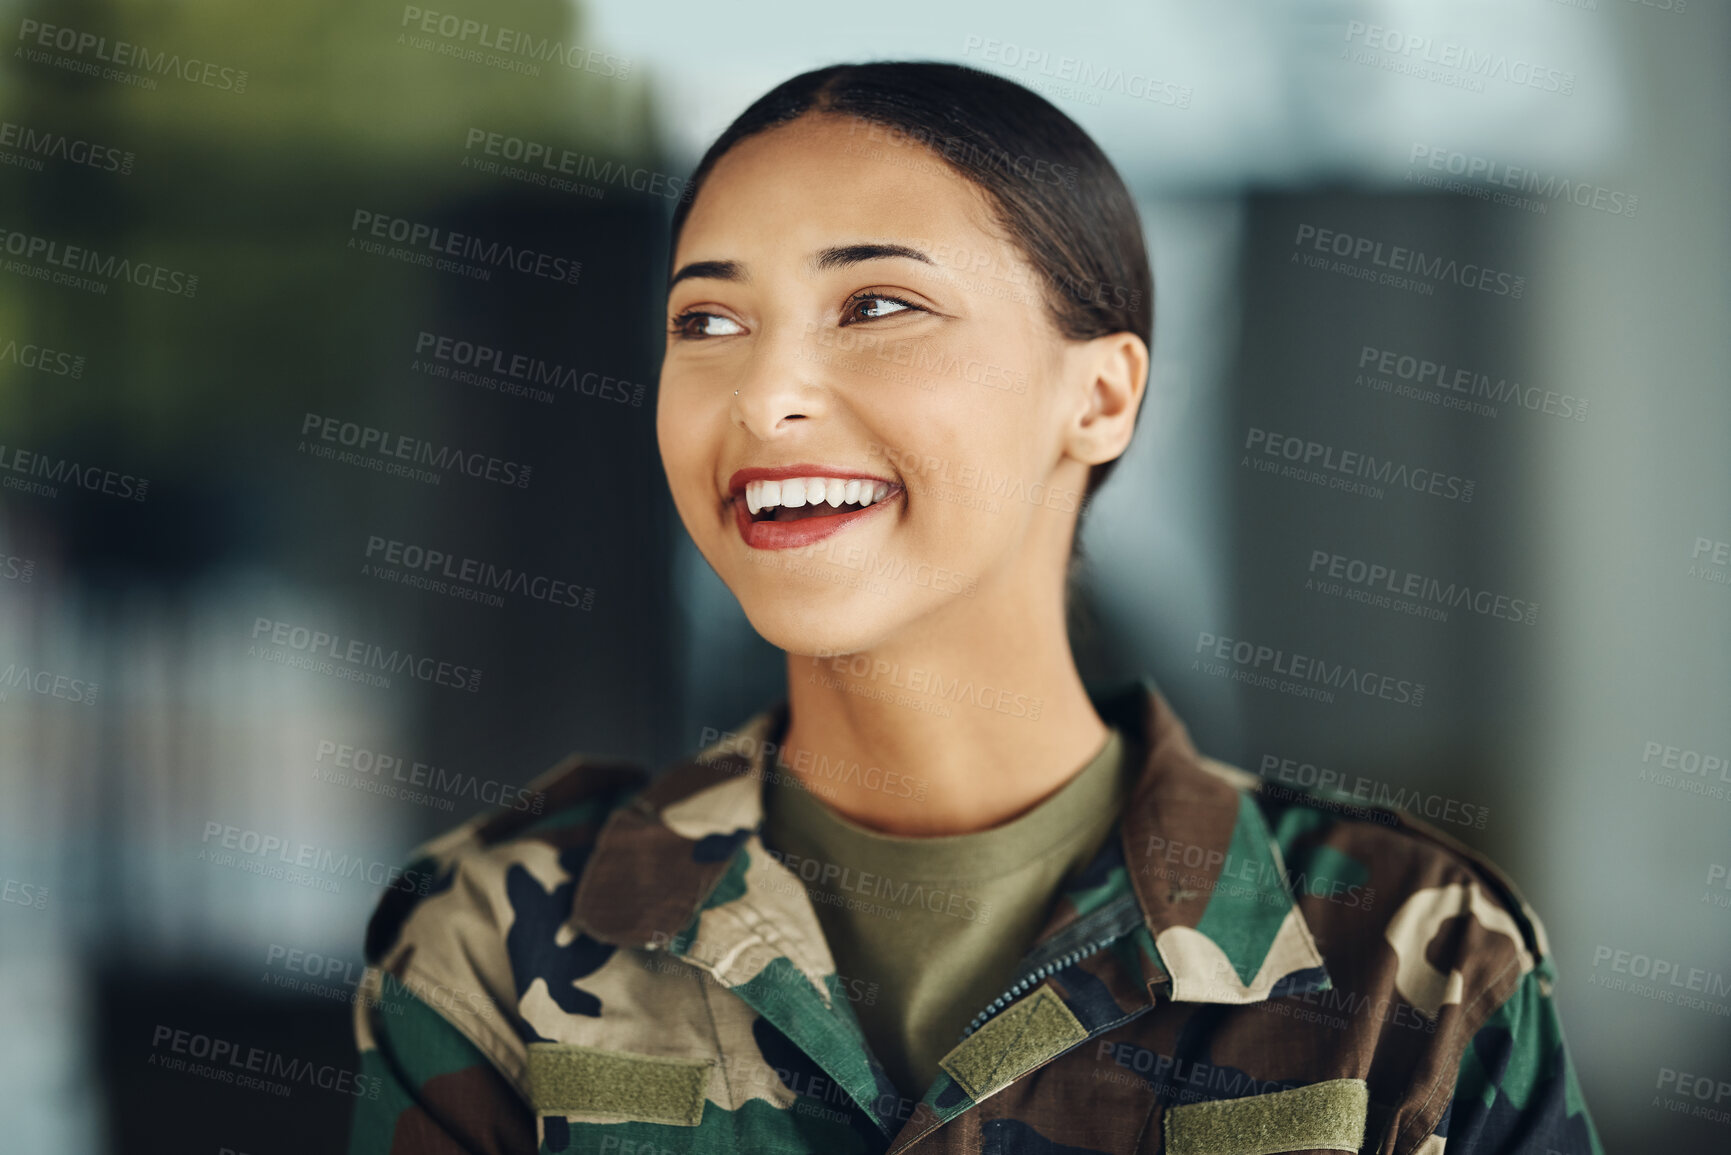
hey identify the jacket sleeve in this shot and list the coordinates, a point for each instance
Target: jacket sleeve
(1515, 1092)
(435, 1093)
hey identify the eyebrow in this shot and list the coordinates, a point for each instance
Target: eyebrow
(834, 257)
(840, 256)
(716, 270)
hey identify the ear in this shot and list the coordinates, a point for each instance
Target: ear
(1111, 373)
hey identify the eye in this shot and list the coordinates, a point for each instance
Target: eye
(873, 306)
(695, 325)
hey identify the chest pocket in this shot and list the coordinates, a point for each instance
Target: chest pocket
(1326, 1116)
(570, 1086)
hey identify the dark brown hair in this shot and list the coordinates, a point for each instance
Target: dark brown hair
(1054, 191)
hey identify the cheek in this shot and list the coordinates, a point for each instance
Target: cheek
(969, 463)
(682, 434)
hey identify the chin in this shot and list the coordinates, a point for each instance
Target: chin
(819, 626)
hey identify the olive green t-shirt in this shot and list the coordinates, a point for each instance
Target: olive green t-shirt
(926, 932)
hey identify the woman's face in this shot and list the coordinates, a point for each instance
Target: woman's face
(845, 309)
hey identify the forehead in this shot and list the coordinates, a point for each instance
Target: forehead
(806, 184)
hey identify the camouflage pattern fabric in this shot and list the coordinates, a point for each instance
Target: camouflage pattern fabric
(1237, 973)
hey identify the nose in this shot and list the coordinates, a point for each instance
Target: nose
(778, 387)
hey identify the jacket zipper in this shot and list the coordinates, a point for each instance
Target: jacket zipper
(1038, 974)
(1100, 929)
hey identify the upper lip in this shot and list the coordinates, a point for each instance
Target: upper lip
(741, 477)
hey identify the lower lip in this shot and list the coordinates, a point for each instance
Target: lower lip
(805, 531)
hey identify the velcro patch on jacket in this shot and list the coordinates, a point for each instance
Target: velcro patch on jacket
(1323, 1116)
(565, 1079)
(1018, 1040)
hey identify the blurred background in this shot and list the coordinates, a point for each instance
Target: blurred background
(246, 665)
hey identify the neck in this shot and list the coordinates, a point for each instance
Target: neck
(969, 724)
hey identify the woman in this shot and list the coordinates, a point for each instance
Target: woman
(941, 898)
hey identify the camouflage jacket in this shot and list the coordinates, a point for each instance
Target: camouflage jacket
(1240, 971)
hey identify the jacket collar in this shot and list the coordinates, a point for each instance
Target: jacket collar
(1196, 854)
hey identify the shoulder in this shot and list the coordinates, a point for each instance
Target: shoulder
(448, 939)
(499, 917)
(561, 810)
(1385, 891)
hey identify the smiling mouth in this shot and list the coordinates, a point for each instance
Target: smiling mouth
(803, 498)
(801, 509)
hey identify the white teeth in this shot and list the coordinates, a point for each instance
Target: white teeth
(794, 492)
